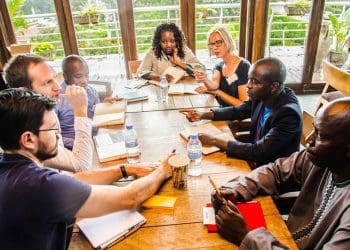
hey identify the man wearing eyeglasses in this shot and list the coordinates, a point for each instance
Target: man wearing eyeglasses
(32, 72)
(275, 113)
(38, 205)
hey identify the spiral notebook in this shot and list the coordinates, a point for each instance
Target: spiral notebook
(109, 229)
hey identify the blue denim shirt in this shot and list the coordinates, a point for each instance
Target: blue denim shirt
(66, 115)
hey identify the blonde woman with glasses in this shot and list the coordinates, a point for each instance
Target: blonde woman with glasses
(230, 76)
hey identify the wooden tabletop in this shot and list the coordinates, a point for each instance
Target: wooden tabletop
(182, 228)
(174, 102)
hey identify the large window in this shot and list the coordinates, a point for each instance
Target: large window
(35, 24)
(148, 15)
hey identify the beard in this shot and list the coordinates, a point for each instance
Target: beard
(43, 153)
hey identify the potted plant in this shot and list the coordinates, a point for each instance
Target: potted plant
(88, 15)
(341, 29)
(46, 50)
(202, 12)
(298, 8)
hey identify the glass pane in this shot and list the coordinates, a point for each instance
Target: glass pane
(36, 28)
(287, 33)
(97, 29)
(210, 14)
(148, 15)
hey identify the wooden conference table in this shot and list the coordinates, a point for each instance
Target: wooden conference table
(182, 228)
(174, 102)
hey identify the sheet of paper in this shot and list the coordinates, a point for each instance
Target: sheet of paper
(208, 216)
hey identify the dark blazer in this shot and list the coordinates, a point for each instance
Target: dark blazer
(280, 134)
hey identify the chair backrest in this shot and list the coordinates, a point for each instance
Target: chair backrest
(133, 66)
(307, 126)
(104, 89)
(336, 79)
(20, 49)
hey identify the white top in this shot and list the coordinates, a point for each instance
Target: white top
(80, 158)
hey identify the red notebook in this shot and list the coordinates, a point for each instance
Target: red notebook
(251, 212)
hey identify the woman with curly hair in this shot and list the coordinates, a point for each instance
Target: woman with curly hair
(230, 76)
(168, 49)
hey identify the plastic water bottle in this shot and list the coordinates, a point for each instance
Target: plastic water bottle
(131, 144)
(194, 151)
(164, 88)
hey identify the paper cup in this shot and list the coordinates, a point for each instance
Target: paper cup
(179, 166)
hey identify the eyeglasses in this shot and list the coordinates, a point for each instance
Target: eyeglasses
(49, 129)
(217, 43)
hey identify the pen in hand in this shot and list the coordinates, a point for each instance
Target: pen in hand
(217, 189)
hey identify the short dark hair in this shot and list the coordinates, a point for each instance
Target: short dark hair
(16, 70)
(20, 111)
(67, 62)
(178, 35)
(276, 70)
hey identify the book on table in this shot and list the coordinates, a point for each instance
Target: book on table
(107, 230)
(106, 114)
(207, 128)
(174, 72)
(134, 96)
(183, 88)
(110, 146)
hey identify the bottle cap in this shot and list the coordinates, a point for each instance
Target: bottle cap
(128, 126)
(194, 136)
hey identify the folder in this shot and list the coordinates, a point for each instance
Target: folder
(109, 229)
(251, 212)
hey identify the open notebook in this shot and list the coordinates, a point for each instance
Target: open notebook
(181, 88)
(107, 230)
(109, 113)
(110, 146)
(207, 128)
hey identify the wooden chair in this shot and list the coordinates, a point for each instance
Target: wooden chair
(307, 126)
(133, 66)
(20, 49)
(104, 89)
(337, 84)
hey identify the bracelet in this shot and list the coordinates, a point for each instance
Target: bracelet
(124, 173)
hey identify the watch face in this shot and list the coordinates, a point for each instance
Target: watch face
(122, 169)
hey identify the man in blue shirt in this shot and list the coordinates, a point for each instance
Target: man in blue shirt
(275, 113)
(37, 204)
(75, 71)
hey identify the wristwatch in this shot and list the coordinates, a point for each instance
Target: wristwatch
(124, 173)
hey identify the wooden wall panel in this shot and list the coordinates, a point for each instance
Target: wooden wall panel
(243, 28)
(65, 22)
(188, 22)
(127, 26)
(6, 24)
(312, 41)
(259, 31)
(250, 30)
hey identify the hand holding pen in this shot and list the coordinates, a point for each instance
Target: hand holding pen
(220, 196)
